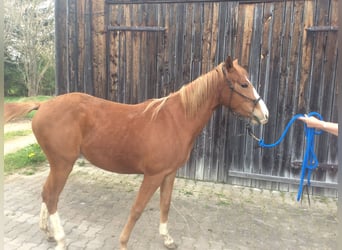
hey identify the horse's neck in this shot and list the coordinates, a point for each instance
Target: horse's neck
(202, 117)
(195, 123)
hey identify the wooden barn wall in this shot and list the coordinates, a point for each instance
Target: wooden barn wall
(130, 52)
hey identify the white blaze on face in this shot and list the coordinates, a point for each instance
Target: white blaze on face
(263, 107)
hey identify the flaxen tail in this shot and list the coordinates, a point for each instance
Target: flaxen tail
(15, 110)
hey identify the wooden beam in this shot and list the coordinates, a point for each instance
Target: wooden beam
(183, 1)
(136, 28)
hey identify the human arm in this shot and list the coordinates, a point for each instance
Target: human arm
(313, 122)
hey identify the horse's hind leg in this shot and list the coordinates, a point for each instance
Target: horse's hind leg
(51, 191)
(165, 200)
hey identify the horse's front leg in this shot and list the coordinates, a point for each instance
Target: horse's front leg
(148, 187)
(165, 201)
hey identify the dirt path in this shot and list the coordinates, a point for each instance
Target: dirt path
(13, 145)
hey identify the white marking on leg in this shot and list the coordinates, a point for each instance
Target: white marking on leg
(58, 231)
(43, 218)
(168, 241)
(44, 222)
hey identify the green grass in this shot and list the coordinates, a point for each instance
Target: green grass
(15, 134)
(26, 159)
(27, 99)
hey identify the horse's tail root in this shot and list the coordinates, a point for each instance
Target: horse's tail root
(15, 110)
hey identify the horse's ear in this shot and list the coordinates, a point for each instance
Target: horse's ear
(229, 63)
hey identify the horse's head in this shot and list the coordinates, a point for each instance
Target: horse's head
(239, 94)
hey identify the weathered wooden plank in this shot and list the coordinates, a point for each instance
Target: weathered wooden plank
(87, 69)
(293, 71)
(185, 30)
(72, 46)
(81, 19)
(136, 28)
(182, 1)
(253, 155)
(61, 48)
(277, 87)
(283, 97)
(99, 49)
(80, 57)
(266, 161)
(306, 55)
(113, 56)
(135, 68)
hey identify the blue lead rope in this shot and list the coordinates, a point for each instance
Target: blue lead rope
(310, 161)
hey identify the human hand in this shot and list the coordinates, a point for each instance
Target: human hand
(312, 122)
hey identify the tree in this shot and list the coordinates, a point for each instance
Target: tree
(29, 40)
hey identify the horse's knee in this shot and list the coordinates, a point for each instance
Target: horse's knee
(135, 214)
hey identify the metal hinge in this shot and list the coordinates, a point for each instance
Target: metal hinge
(322, 28)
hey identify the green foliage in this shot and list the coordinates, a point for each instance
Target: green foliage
(13, 81)
(15, 134)
(28, 157)
(48, 83)
(29, 47)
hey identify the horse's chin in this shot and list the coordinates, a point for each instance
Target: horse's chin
(256, 121)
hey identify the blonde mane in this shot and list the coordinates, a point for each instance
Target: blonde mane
(159, 102)
(196, 93)
(193, 95)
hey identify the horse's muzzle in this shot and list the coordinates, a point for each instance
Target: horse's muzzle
(260, 114)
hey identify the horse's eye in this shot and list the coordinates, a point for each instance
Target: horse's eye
(244, 85)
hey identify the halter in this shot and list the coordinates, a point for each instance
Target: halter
(233, 90)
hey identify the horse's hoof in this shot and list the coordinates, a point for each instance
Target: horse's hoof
(61, 246)
(171, 245)
(51, 239)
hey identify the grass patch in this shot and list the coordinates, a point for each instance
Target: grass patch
(15, 134)
(27, 99)
(28, 159)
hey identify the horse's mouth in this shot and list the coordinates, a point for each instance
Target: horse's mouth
(256, 121)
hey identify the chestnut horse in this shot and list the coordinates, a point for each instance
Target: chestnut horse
(153, 138)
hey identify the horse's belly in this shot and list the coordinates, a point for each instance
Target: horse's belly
(123, 164)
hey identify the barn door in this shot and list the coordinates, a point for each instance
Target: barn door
(135, 58)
